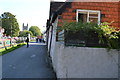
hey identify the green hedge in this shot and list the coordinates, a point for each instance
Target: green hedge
(92, 35)
(9, 49)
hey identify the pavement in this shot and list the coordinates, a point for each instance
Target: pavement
(27, 63)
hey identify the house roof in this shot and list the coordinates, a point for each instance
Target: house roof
(92, 0)
(57, 8)
(54, 6)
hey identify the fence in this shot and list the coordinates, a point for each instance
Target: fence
(82, 39)
(78, 39)
(61, 36)
(4, 42)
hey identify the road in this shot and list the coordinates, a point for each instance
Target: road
(27, 63)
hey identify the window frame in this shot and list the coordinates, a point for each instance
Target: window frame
(88, 14)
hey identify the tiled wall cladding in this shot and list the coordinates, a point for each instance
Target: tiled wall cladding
(119, 14)
(110, 9)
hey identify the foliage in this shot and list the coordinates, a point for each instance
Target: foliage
(25, 33)
(85, 28)
(10, 24)
(78, 26)
(35, 31)
(20, 41)
(110, 35)
(106, 35)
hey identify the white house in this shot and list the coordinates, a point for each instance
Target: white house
(79, 62)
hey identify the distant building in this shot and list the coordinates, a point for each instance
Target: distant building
(25, 27)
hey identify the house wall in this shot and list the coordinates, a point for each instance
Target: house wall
(83, 62)
(49, 37)
(119, 14)
(53, 38)
(110, 9)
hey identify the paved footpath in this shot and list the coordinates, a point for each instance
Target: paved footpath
(27, 63)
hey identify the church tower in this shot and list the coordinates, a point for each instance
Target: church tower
(25, 27)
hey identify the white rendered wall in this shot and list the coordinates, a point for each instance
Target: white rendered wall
(49, 37)
(53, 37)
(83, 62)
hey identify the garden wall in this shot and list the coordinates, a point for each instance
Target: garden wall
(83, 62)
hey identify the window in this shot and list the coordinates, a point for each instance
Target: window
(88, 16)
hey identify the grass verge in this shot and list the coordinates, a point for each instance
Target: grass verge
(9, 49)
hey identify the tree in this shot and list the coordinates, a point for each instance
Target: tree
(35, 30)
(25, 33)
(10, 24)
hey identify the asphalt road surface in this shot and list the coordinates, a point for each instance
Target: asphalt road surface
(27, 63)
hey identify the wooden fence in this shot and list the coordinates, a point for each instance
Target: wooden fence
(61, 36)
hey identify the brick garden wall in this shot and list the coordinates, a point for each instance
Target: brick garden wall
(110, 9)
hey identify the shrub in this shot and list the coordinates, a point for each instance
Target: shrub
(91, 34)
(108, 35)
(20, 41)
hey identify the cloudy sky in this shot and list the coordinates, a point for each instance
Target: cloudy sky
(33, 12)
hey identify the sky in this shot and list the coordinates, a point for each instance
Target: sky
(33, 12)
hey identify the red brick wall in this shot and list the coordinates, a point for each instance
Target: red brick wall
(110, 9)
(119, 14)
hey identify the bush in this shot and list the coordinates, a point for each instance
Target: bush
(91, 35)
(110, 35)
(11, 49)
(19, 41)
